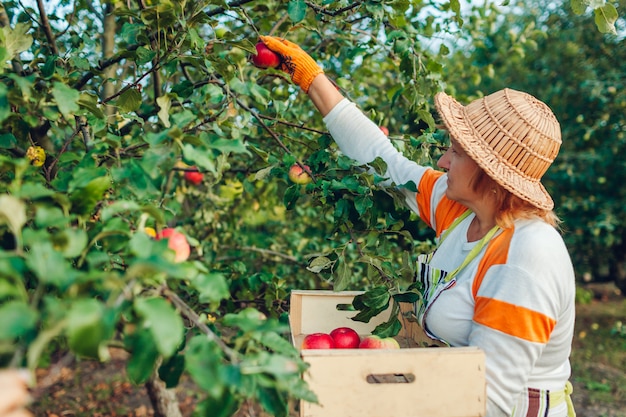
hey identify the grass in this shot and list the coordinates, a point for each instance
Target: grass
(599, 357)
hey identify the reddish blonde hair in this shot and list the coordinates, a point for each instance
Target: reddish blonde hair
(510, 206)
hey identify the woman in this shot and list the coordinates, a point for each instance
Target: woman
(501, 277)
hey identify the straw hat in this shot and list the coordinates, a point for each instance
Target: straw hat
(511, 135)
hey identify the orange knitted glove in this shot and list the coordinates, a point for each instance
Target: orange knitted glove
(297, 63)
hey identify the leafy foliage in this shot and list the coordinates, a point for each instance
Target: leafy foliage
(104, 106)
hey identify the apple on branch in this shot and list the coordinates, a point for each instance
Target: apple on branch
(195, 177)
(177, 242)
(265, 57)
(298, 175)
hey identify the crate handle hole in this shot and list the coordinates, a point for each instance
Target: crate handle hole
(345, 307)
(390, 378)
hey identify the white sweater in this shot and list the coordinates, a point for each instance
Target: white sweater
(519, 308)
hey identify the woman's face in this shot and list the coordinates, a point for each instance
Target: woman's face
(462, 171)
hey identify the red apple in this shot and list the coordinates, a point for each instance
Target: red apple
(265, 57)
(299, 175)
(177, 242)
(376, 342)
(345, 338)
(385, 130)
(318, 341)
(194, 177)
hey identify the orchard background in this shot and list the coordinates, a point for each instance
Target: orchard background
(104, 105)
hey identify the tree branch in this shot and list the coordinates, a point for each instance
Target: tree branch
(45, 25)
(189, 313)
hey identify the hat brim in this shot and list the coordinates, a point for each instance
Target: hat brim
(458, 124)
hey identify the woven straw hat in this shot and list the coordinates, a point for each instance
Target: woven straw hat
(511, 135)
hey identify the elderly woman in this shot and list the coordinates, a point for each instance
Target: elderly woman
(501, 278)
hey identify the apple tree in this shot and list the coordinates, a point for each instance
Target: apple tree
(104, 108)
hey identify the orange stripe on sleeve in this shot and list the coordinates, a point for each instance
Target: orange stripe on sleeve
(446, 213)
(424, 193)
(513, 320)
(447, 210)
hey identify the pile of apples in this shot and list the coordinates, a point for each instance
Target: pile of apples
(347, 338)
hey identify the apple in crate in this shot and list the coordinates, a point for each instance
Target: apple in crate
(318, 341)
(345, 338)
(376, 342)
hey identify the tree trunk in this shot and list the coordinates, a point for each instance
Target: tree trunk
(163, 400)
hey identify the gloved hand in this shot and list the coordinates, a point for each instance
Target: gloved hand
(297, 63)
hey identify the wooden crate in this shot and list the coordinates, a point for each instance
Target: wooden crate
(409, 382)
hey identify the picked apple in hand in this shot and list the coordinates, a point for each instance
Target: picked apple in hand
(377, 342)
(265, 57)
(345, 338)
(318, 341)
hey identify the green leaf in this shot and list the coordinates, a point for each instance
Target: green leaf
(165, 103)
(84, 199)
(200, 159)
(16, 319)
(118, 207)
(224, 405)
(605, 18)
(407, 297)
(16, 40)
(129, 100)
(70, 242)
(319, 264)
(342, 275)
(90, 102)
(212, 287)
(49, 265)
(140, 244)
(389, 328)
(248, 319)
(12, 213)
(229, 145)
(86, 327)
(296, 10)
(371, 303)
(66, 99)
(49, 67)
(578, 6)
(183, 89)
(203, 359)
(7, 140)
(292, 194)
(274, 403)
(144, 355)
(171, 370)
(144, 55)
(164, 323)
(275, 342)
